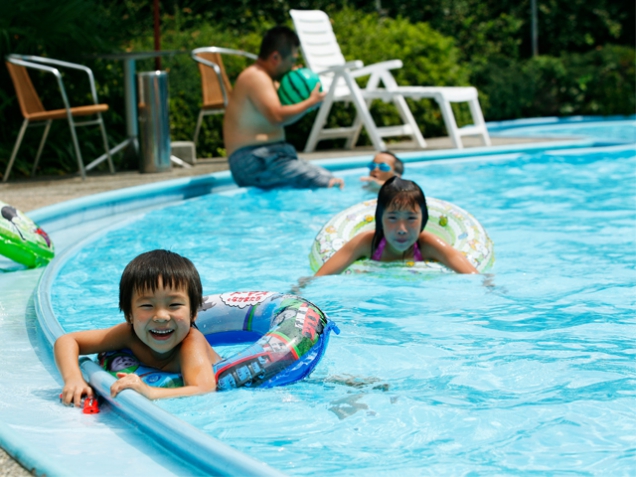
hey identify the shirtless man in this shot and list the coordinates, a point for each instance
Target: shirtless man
(253, 127)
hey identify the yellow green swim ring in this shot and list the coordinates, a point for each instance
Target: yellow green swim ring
(446, 220)
(22, 240)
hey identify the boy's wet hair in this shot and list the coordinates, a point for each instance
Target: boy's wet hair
(398, 165)
(280, 39)
(143, 272)
(400, 194)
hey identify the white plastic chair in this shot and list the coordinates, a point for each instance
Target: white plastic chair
(323, 56)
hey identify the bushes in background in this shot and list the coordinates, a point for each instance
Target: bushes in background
(599, 82)
(465, 42)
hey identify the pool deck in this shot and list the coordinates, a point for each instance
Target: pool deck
(33, 193)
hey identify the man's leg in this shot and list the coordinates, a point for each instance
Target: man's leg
(284, 168)
(246, 167)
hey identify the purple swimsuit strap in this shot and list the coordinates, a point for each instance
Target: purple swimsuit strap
(417, 255)
(377, 255)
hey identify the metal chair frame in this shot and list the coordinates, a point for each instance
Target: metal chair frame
(222, 79)
(40, 63)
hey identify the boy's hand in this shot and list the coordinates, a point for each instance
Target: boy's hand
(74, 390)
(129, 381)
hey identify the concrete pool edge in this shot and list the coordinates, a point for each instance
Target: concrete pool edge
(495, 127)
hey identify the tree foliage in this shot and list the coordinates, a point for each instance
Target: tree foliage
(586, 64)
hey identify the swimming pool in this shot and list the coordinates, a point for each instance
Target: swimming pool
(529, 371)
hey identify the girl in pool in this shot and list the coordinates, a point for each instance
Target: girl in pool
(400, 218)
(159, 293)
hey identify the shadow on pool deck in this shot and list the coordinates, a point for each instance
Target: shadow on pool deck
(29, 194)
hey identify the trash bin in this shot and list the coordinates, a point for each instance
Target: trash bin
(154, 125)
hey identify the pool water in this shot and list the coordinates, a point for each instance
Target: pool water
(527, 370)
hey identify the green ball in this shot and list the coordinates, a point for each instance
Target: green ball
(297, 85)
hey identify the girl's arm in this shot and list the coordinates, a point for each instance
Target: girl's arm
(70, 346)
(358, 247)
(196, 359)
(435, 248)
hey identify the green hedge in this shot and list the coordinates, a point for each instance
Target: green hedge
(601, 81)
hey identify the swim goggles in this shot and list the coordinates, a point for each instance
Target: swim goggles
(383, 166)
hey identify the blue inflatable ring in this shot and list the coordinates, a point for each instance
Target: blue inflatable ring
(288, 336)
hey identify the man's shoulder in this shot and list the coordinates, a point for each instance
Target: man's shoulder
(252, 74)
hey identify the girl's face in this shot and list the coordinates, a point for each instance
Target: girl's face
(161, 319)
(402, 227)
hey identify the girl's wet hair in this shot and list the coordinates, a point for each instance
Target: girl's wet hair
(400, 194)
(143, 272)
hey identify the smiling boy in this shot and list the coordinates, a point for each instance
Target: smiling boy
(159, 293)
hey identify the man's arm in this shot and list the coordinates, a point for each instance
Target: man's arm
(262, 92)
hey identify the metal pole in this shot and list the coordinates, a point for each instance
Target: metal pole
(157, 33)
(130, 96)
(535, 29)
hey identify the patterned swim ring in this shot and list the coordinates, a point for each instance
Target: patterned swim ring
(446, 220)
(288, 336)
(22, 240)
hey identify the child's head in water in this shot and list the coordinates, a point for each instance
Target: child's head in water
(401, 214)
(160, 293)
(159, 269)
(384, 165)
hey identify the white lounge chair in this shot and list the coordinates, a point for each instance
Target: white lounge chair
(323, 56)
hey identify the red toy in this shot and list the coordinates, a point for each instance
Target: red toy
(90, 406)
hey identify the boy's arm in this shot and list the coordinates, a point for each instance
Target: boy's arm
(435, 248)
(69, 347)
(358, 247)
(263, 94)
(196, 359)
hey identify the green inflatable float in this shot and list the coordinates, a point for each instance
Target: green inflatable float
(22, 240)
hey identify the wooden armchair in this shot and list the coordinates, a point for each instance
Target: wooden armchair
(215, 85)
(35, 114)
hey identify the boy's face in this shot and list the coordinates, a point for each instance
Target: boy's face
(388, 162)
(161, 319)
